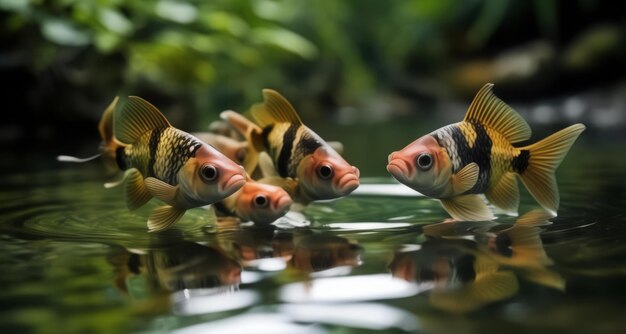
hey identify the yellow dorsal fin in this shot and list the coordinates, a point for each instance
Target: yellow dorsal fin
(135, 117)
(274, 109)
(489, 110)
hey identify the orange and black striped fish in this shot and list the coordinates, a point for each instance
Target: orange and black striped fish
(161, 161)
(476, 156)
(296, 151)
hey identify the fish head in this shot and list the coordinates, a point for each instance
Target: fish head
(324, 174)
(262, 203)
(235, 150)
(210, 176)
(422, 165)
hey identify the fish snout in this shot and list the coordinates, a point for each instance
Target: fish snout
(356, 171)
(234, 178)
(282, 204)
(398, 167)
(348, 183)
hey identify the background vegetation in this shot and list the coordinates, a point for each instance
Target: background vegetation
(342, 63)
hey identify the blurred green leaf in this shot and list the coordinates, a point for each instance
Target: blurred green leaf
(64, 33)
(175, 11)
(225, 22)
(20, 6)
(116, 22)
(286, 40)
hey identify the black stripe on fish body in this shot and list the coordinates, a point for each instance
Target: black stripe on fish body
(120, 158)
(284, 157)
(479, 152)
(482, 156)
(520, 162)
(266, 135)
(305, 145)
(153, 145)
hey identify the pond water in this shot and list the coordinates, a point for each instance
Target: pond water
(382, 259)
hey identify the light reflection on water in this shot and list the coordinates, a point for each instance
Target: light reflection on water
(381, 259)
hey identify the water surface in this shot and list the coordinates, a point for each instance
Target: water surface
(383, 259)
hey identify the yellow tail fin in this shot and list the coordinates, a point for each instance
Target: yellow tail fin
(544, 158)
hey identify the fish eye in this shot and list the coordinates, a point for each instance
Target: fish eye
(424, 161)
(260, 201)
(208, 173)
(325, 172)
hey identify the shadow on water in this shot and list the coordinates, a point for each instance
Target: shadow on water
(382, 259)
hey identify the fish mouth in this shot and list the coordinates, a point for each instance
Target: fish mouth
(399, 169)
(348, 183)
(283, 204)
(234, 183)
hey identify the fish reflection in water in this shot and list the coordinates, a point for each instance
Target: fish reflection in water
(469, 271)
(318, 252)
(301, 248)
(184, 265)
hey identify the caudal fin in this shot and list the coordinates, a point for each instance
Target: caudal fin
(251, 133)
(108, 145)
(543, 159)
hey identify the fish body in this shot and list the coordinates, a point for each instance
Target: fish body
(161, 161)
(458, 162)
(257, 202)
(296, 151)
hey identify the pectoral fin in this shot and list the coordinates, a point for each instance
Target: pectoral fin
(164, 217)
(467, 208)
(505, 193)
(161, 190)
(465, 179)
(136, 192)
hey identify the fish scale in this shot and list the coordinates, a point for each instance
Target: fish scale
(466, 142)
(161, 153)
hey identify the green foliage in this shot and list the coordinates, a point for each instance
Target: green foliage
(212, 55)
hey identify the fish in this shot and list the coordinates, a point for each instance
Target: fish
(458, 162)
(159, 160)
(296, 151)
(257, 202)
